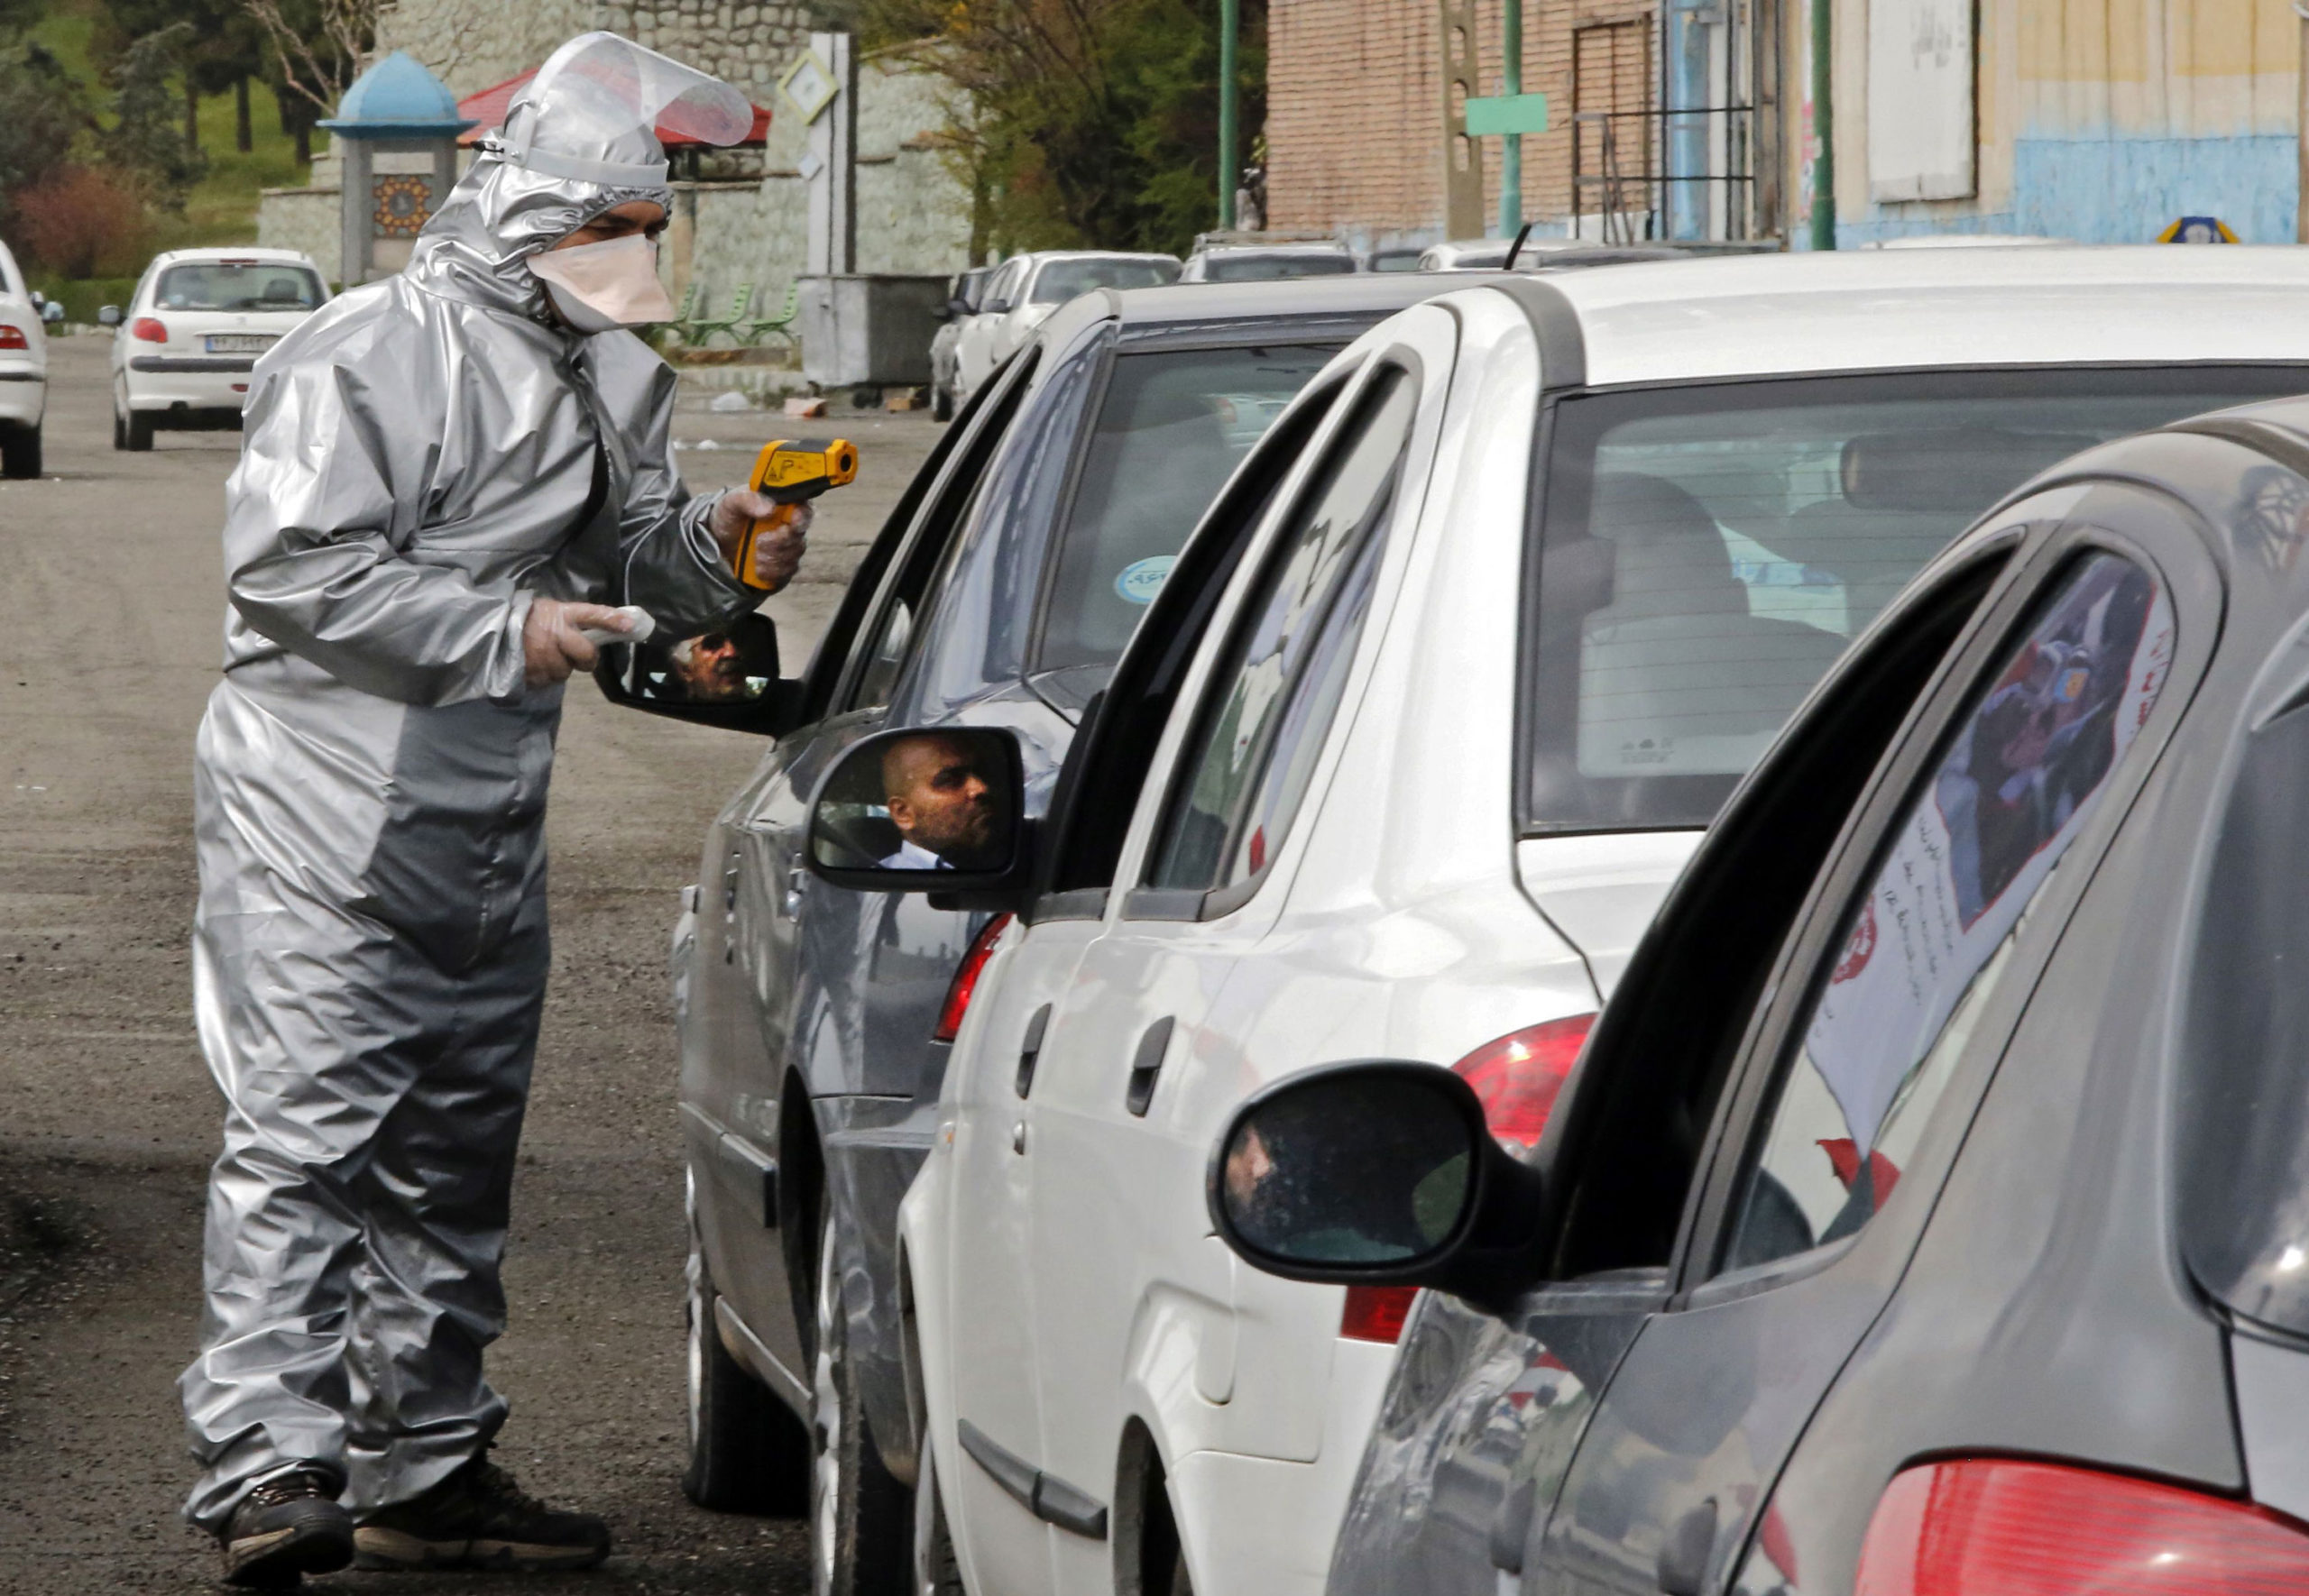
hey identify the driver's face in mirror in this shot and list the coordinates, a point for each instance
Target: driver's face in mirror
(942, 802)
(710, 669)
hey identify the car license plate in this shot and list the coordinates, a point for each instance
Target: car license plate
(240, 342)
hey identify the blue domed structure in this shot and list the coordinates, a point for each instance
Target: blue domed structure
(397, 98)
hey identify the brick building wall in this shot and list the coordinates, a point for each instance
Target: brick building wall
(1354, 130)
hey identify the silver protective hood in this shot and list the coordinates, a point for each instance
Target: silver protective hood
(423, 458)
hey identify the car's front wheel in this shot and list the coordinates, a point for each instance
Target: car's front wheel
(748, 1451)
(860, 1517)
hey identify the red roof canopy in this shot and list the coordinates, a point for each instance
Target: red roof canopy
(487, 109)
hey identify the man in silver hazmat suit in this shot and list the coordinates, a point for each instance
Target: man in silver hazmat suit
(445, 479)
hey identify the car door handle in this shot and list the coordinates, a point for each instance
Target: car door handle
(1147, 1065)
(797, 878)
(1030, 1048)
(1682, 1568)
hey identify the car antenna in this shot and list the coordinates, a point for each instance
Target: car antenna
(1516, 248)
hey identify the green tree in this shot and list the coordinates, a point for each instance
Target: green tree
(1084, 121)
(146, 138)
(41, 114)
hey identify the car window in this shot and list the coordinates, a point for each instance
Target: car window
(1277, 686)
(1923, 950)
(1170, 429)
(1004, 288)
(1706, 551)
(238, 285)
(1265, 267)
(1062, 281)
(884, 646)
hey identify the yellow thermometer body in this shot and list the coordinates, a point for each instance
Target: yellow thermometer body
(791, 471)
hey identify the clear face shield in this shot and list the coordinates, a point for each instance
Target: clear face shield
(593, 113)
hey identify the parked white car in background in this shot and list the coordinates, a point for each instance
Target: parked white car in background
(1026, 288)
(1259, 263)
(23, 373)
(1428, 715)
(183, 350)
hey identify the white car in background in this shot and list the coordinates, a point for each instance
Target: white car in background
(1026, 288)
(1260, 262)
(1425, 718)
(183, 350)
(23, 373)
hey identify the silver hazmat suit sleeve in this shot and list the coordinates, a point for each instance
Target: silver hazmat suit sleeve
(668, 560)
(318, 526)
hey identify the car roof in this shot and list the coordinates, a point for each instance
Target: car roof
(1834, 311)
(1188, 304)
(1235, 252)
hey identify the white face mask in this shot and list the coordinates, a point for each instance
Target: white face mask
(599, 286)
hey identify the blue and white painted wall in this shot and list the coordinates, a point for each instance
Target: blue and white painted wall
(2101, 121)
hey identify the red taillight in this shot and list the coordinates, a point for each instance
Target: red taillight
(1994, 1527)
(1517, 1075)
(965, 981)
(149, 329)
(1376, 1313)
(12, 338)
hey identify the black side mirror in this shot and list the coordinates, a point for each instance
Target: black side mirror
(727, 678)
(1381, 1171)
(937, 809)
(957, 308)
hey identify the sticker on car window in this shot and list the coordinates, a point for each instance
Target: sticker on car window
(1141, 580)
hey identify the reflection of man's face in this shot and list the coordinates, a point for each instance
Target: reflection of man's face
(709, 668)
(938, 797)
(1249, 1164)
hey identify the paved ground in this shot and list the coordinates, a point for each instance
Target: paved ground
(109, 631)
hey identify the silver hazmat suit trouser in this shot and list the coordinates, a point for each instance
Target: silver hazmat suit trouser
(374, 1072)
(422, 458)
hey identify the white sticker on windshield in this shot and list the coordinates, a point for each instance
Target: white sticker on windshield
(1141, 580)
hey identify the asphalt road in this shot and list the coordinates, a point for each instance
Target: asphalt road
(111, 608)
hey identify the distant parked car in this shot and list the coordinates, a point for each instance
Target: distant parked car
(23, 373)
(1490, 254)
(1394, 257)
(182, 351)
(1260, 262)
(964, 291)
(1026, 288)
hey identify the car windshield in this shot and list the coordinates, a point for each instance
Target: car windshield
(237, 285)
(1062, 281)
(1168, 432)
(1708, 551)
(1264, 268)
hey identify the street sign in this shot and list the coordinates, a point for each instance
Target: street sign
(2197, 230)
(808, 85)
(1507, 113)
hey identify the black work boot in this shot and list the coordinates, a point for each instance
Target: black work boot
(478, 1518)
(287, 1526)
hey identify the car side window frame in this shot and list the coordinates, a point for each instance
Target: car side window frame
(1658, 1071)
(1123, 726)
(946, 511)
(1769, 1050)
(1147, 901)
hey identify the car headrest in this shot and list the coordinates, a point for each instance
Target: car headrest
(1670, 558)
(1952, 470)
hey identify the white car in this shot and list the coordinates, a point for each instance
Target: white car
(1026, 288)
(1426, 718)
(1259, 263)
(183, 350)
(23, 373)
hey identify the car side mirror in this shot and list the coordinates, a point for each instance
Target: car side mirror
(937, 809)
(727, 678)
(109, 316)
(1376, 1172)
(957, 308)
(995, 307)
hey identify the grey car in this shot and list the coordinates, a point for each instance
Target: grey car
(1928, 1211)
(814, 1020)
